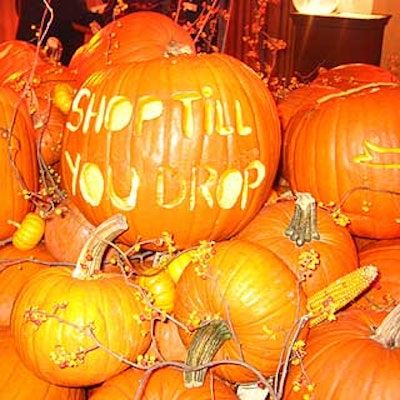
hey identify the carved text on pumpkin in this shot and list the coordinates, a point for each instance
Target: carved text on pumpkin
(118, 112)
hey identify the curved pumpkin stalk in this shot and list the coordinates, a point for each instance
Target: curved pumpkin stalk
(90, 257)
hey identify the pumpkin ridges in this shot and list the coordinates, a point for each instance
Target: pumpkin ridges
(165, 169)
(343, 361)
(335, 252)
(244, 273)
(70, 347)
(347, 168)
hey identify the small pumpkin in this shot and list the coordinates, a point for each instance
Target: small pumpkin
(356, 356)
(160, 384)
(29, 232)
(253, 292)
(78, 327)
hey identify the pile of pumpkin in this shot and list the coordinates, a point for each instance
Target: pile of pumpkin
(170, 231)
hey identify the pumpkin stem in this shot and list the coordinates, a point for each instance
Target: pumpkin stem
(303, 226)
(206, 342)
(175, 49)
(91, 256)
(388, 333)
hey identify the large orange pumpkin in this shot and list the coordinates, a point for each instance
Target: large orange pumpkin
(257, 296)
(18, 383)
(355, 357)
(191, 154)
(18, 161)
(139, 36)
(345, 150)
(317, 261)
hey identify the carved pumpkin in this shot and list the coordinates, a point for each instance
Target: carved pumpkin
(345, 150)
(356, 356)
(161, 384)
(193, 155)
(18, 383)
(347, 76)
(251, 288)
(80, 327)
(18, 161)
(16, 268)
(318, 261)
(135, 37)
(300, 99)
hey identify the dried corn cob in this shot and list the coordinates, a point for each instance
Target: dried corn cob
(323, 304)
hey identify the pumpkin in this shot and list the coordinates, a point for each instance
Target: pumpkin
(385, 293)
(160, 287)
(316, 262)
(347, 76)
(136, 37)
(356, 356)
(17, 55)
(16, 268)
(38, 87)
(29, 232)
(300, 99)
(253, 292)
(344, 151)
(64, 223)
(160, 384)
(167, 344)
(78, 327)
(18, 161)
(18, 383)
(192, 155)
